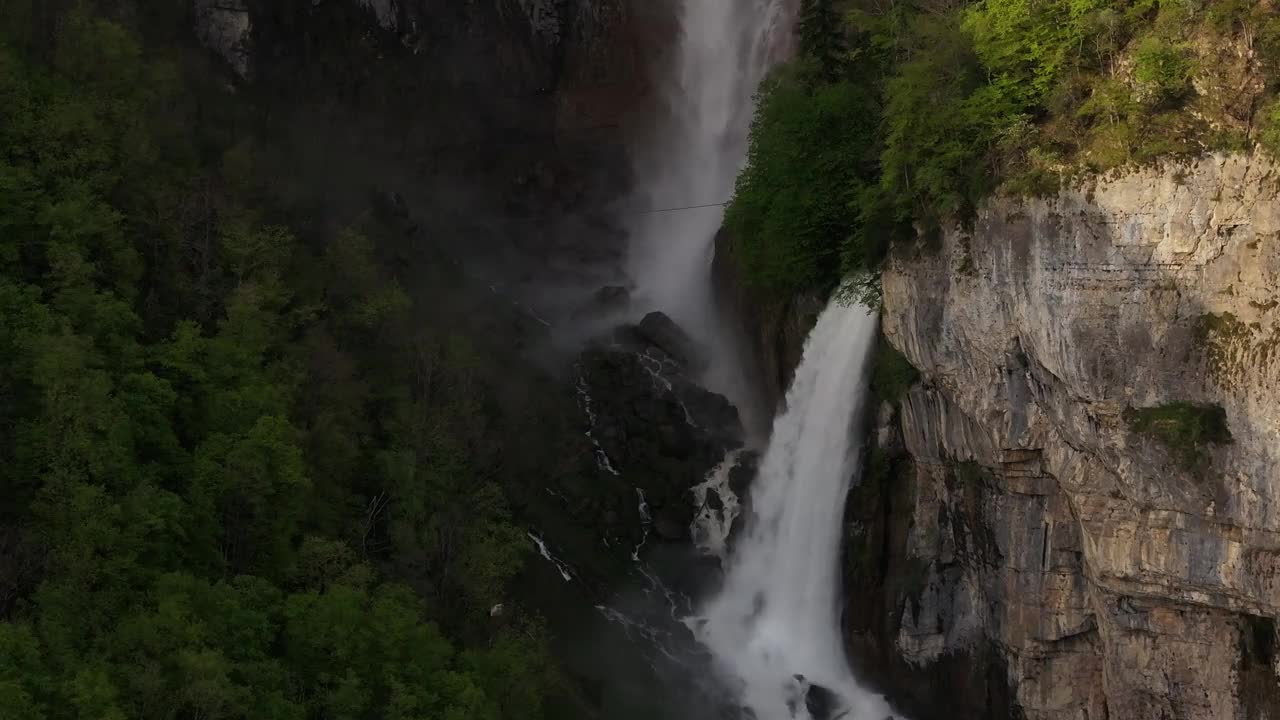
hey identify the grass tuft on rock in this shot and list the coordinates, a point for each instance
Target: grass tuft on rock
(893, 375)
(1186, 429)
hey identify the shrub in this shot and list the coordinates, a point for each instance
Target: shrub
(944, 102)
(893, 375)
(794, 205)
(1184, 428)
(1161, 73)
(937, 131)
(1269, 128)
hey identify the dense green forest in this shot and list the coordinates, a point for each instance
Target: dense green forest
(900, 116)
(239, 480)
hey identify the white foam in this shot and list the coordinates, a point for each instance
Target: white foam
(778, 614)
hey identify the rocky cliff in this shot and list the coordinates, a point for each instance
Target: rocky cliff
(1053, 524)
(503, 124)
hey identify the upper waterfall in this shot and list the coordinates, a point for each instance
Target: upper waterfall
(724, 50)
(774, 629)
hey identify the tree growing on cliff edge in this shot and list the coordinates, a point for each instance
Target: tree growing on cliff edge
(821, 37)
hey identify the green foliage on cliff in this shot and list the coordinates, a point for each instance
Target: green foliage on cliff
(1185, 428)
(797, 202)
(225, 452)
(965, 99)
(893, 374)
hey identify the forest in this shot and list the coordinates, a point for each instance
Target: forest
(241, 478)
(249, 468)
(898, 118)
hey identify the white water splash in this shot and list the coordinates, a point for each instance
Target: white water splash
(711, 527)
(584, 402)
(724, 50)
(646, 522)
(778, 616)
(646, 516)
(561, 567)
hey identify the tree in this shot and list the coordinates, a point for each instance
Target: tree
(180, 358)
(821, 36)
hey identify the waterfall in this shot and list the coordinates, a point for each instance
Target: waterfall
(724, 49)
(775, 627)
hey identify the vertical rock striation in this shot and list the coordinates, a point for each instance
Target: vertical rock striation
(1018, 538)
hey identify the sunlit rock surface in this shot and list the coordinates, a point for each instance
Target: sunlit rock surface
(1092, 573)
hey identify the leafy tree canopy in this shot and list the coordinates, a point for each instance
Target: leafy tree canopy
(221, 464)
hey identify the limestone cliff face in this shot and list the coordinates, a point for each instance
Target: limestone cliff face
(1018, 545)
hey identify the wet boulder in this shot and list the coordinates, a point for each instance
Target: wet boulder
(662, 332)
(822, 703)
(652, 424)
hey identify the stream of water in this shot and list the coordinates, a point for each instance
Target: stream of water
(725, 49)
(774, 628)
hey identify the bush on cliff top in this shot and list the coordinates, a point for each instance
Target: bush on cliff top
(912, 112)
(796, 203)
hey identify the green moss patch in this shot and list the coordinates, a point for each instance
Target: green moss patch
(893, 375)
(1186, 429)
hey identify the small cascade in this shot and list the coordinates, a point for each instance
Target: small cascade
(584, 402)
(646, 523)
(545, 552)
(718, 508)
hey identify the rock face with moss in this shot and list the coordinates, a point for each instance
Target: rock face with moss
(1082, 492)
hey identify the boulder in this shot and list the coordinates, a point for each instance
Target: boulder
(663, 333)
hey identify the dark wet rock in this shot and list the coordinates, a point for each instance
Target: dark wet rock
(821, 702)
(743, 473)
(663, 333)
(611, 297)
(672, 523)
(714, 501)
(394, 212)
(655, 427)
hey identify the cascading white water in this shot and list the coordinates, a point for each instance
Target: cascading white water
(777, 616)
(723, 52)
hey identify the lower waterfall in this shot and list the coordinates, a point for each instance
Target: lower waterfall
(775, 626)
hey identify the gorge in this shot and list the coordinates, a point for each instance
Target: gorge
(613, 359)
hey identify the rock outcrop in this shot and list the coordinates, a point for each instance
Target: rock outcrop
(651, 423)
(1019, 547)
(503, 124)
